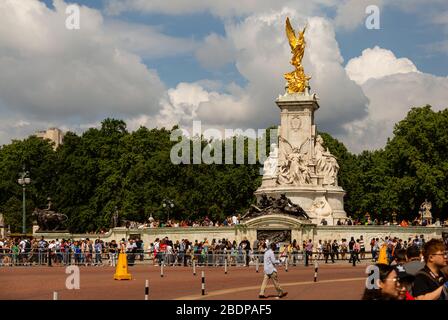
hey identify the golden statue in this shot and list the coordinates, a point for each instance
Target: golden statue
(297, 80)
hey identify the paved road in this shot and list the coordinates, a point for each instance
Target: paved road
(335, 281)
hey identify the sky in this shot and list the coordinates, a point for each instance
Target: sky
(159, 63)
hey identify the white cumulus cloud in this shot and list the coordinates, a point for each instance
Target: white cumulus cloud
(59, 77)
(261, 55)
(376, 63)
(393, 86)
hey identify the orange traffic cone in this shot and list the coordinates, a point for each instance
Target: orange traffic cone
(121, 272)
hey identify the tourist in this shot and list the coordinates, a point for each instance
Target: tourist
(404, 223)
(376, 249)
(328, 252)
(15, 253)
(387, 285)
(404, 284)
(245, 245)
(356, 251)
(270, 272)
(399, 257)
(362, 248)
(113, 250)
(382, 257)
(98, 251)
(319, 250)
(344, 249)
(157, 254)
(373, 248)
(351, 245)
(430, 283)
(308, 252)
(413, 257)
(42, 250)
(335, 249)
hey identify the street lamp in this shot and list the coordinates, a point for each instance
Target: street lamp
(168, 204)
(24, 181)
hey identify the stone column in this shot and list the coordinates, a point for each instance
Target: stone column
(297, 121)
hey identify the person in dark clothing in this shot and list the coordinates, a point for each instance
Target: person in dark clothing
(328, 252)
(335, 249)
(245, 244)
(430, 283)
(414, 263)
(350, 248)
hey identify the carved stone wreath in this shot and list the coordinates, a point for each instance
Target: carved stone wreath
(296, 123)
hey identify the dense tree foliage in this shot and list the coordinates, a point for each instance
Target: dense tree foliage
(107, 168)
(412, 167)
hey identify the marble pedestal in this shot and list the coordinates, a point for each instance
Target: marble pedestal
(319, 196)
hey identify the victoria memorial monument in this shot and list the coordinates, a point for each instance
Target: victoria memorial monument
(300, 166)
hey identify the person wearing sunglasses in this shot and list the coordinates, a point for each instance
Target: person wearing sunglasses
(430, 283)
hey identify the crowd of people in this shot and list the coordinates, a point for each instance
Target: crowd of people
(418, 272)
(407, 269)
(173, 223)
(58, 252)
(97, 252)
(376, 222)
(235, 220)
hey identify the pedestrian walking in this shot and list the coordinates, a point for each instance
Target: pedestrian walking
(270, 272)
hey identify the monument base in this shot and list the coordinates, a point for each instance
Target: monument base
(319, 202)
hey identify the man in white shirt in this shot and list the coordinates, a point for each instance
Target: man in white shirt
(270, 272)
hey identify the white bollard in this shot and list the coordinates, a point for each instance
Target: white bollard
(194, 267)
(256, 264)
(203, 283)
(161, 269)
(55, 295)
(225, 265)
(147, 290)
(316, 267)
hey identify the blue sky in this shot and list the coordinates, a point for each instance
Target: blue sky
(405, 33)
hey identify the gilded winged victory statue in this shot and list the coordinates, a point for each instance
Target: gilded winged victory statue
(297, 80)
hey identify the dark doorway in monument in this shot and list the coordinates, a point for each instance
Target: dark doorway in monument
(135, 236)
(277, 236)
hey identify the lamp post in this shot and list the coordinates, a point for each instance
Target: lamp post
(24, 180)
(168, 204)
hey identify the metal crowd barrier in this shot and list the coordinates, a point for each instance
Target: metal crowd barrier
(210, 258)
